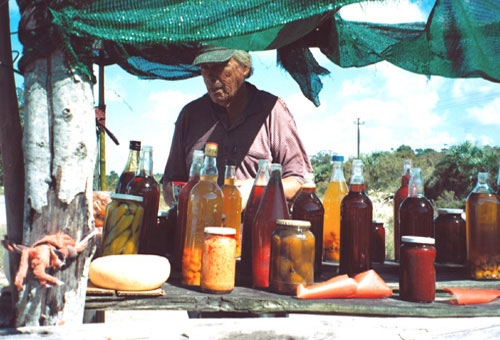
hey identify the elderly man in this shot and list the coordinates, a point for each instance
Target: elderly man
(248, 125)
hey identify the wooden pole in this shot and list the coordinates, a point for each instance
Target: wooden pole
(102, 133)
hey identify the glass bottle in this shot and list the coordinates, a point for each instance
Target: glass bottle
(131, 166)
(258, 188)
(399, 196)
(497, 189)
(231, 208)
(416, 214)
(273, 206)
(482, 211)
(204, 210)
(308, 207)
(449, 228)
(356, 213)
(145, 185)
(194, 177)
(292, 256)
(378, 242)
(337, 189)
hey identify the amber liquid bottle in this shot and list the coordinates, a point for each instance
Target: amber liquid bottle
(399, 196)
(482, 210)
(204, 210)
(131, 167)
(145, 185)
(258, 188)
(416, 214)
(337, 189)
(180, 232)
(231, 208)
(308, 207)
(273, 206)
(356, 216)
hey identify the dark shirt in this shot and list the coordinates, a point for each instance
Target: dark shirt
(265, 130)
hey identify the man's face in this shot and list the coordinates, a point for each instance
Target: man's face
(223, 80)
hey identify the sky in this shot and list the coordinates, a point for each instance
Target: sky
(395, 107)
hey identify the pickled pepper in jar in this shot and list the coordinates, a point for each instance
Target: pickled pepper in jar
(292, 256)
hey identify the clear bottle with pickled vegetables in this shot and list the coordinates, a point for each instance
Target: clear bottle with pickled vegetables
(356, 217)
(231, 207)
(482, 210)
(204, 210)
(399, 196)
(337, 189)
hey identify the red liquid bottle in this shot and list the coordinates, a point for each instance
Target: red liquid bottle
(356, 213)
(180, 232)
(399, 197)
(131, 167)
(259, 186)
(273, 206)
(145, 185)
(308, 207)
(416, 214)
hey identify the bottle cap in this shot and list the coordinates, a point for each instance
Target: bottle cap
(127, 197)
(220, 231)
(337, 158)
(444, 211)
(211, 149)
(293, 223)
(135, 145)
(418, 239)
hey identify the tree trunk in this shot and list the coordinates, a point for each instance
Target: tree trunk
(59, 148)
(12, 152)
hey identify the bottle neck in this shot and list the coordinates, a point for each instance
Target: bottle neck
(337, 172)
(209, 168)
(262, 175)
(146, 164)
(132, 161)
(230, 175)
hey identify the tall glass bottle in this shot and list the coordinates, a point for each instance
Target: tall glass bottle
(356, 213)
(194, 177)
(144, 184)
(497, 189)
(416, 213)
(204, 210)
(258, 188)
(131, 166)
(273, 206)
(482, 210)
(335, 192)
(308, 207)
(231, 208)
(399, 196)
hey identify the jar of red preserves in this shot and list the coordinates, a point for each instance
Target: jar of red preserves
(417, 274)
(292, 256)
(218, 261)
(378, 242)
(449, 229)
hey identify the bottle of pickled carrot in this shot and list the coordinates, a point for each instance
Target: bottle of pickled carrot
(231, 208)
(204, 210)
(180, 232)
(273, 206)
(356, 218)
(399, 196)
(335, 192)
(259, 185)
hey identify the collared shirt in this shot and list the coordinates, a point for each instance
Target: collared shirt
(265, 130)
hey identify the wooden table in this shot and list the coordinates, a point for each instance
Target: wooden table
(247, 300)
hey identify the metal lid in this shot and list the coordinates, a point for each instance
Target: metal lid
(293, 223)
(126, 197)
(220, 231)
(443, 211)
(135, 145)
(337, 158)
(418, 239)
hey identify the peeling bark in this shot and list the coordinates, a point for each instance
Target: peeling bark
(59, 154)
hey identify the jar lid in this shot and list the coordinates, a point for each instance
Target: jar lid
(443, 211)
(162, 213)
(220, 230)
(293, 223)
(127, 197)
(418, 239)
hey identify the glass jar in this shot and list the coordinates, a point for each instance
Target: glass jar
(417, 274)
(292, 256)
(449, 228)
(378, 242)
(218, 261)
(122, 226)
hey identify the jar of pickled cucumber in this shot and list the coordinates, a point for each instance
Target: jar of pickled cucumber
(292, 256)
(122, 225)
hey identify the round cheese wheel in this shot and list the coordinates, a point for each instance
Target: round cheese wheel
(135, 272)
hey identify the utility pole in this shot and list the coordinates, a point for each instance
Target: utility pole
(358, 123)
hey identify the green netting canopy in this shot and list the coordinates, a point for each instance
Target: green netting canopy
(159, 38)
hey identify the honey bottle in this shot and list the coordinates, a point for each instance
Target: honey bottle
(231, 208)
(399, 196)
(204, 210)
